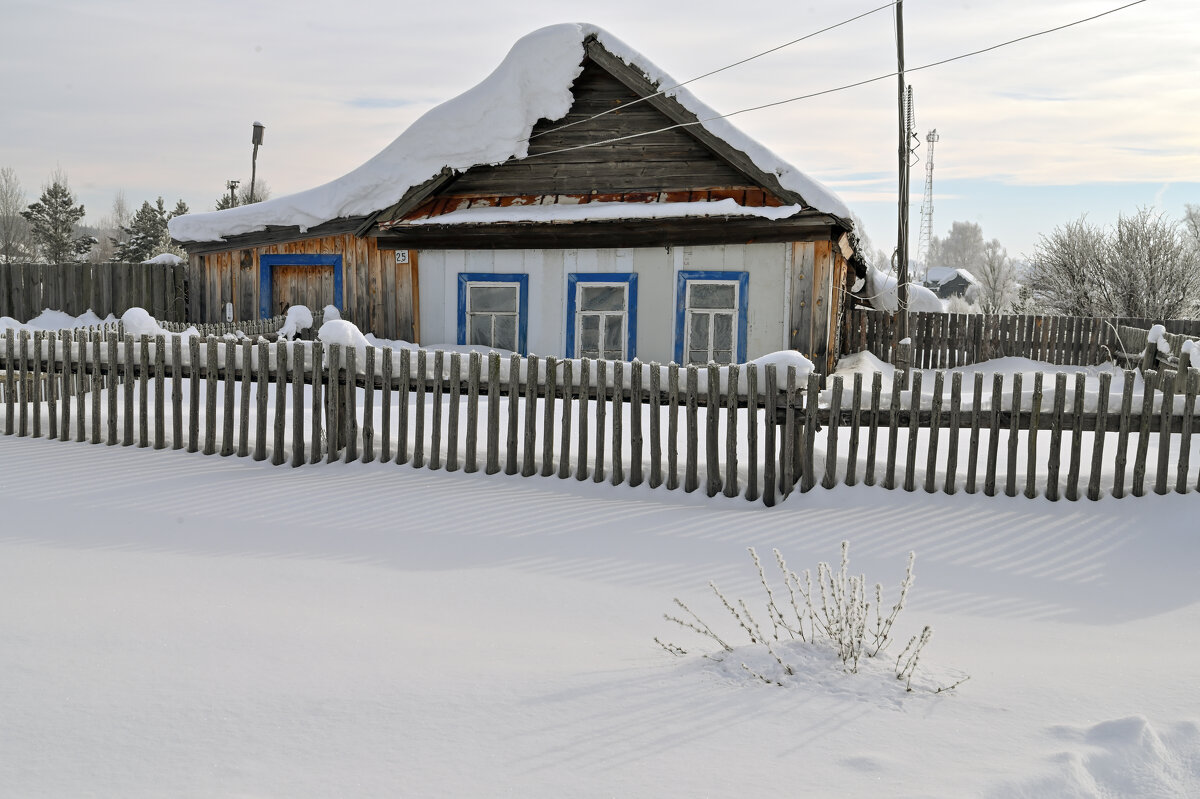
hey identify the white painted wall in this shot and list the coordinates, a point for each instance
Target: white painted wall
(656, 268)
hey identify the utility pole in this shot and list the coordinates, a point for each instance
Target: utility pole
(903, 152)
(256, 138)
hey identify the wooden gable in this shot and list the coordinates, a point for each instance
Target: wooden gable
(661, 158)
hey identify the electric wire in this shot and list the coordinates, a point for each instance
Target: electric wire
(660, 92)
(844, 87)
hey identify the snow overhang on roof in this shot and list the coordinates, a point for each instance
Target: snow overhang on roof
(488, 124)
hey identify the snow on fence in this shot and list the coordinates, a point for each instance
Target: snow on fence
(751, 431)
(26, 289)
(942, 341)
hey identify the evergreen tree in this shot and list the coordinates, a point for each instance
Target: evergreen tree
(52, 221)
(147, 236)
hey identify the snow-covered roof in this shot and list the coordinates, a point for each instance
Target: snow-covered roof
(488, 124)
(936, 275)
(604, 211)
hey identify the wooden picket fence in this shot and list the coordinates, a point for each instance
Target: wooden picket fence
(756, 432)
(113, 288)
(945, 341)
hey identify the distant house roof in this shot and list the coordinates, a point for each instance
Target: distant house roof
(937, 275)
(491, 124)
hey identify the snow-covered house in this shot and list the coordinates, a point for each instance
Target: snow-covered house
(947, 281)
(573, 203)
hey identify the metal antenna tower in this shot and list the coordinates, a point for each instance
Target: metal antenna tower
(927, 204)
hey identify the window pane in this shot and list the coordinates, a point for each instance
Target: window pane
(698, 356)
(711, 295)
(493, 298)
(722, 356)
(602, 298)
(722, 331)
(589, 335)
(612, 335)
(506, 333)
(698, 331)
(480, 330)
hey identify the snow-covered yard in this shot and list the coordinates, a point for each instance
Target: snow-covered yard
(176, 625)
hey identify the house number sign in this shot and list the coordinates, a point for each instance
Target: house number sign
(401, 256)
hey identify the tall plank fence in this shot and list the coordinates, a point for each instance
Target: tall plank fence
(943, 341)
(27, 289)
(756, 432)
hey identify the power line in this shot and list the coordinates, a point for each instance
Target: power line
(844, 87)
(624, 106)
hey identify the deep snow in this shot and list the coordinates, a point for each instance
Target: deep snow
(190, 626)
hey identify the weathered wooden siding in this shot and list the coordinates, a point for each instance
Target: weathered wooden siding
(671, 160)
(378, 294)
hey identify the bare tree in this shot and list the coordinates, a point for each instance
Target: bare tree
(15, 241)
(997, 276)
(1145, 267)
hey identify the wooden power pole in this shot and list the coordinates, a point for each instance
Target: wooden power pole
(903, 152)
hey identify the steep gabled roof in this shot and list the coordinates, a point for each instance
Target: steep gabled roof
(491, 124)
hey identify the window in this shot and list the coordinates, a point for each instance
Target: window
(602, 316)
(711, 317)
(492, 310)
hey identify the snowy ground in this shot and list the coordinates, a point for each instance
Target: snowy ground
(181, 625)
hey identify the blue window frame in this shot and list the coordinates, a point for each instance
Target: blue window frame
(267, 262)
(488, 312)
(602, 322)
(711, 318)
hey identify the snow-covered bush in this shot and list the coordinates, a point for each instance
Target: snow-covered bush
(836, 612)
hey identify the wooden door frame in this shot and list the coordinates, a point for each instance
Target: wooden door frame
(266, 264)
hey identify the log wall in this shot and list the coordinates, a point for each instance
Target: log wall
(378, 294)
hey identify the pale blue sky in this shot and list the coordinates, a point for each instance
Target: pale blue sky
(158, 97)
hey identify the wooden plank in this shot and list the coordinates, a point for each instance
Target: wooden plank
(691, 480)
(1072, 493)
(160, 380)
(317, 411)
(618, 437)
(914, 417)
(350, 431)
(873, 429)
(387, 377)
(52, 385)
(585, 390)
(952, 443)
(493, 415)
(514, 407)
(770, 396)
(855, 426)
(752, 400)
(672, 426)
(529, 450)
(298, 406)
(260, 422)
(889, 477)
(1119, 461)
(405, 382)
(1147, 413)
(81, 387)
(935, 418)
(989, 481)
(474, 373)
(656, 471)
(731, 432)
(601, 415)
(422, 375)
(831, 449)
(1093, 491)
(712, 416)
(1035, 413)
(435, 421)
(453, 411)
(279, 422)
(1185, 438)
(565, 429)
(1010, 476)
(1167, 389)
(1055, 458)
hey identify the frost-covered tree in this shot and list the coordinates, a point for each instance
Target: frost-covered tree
(53, 220)
(242, 195)
(1145, 266)
(15, 242)
(996, 291)
(961, 249)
